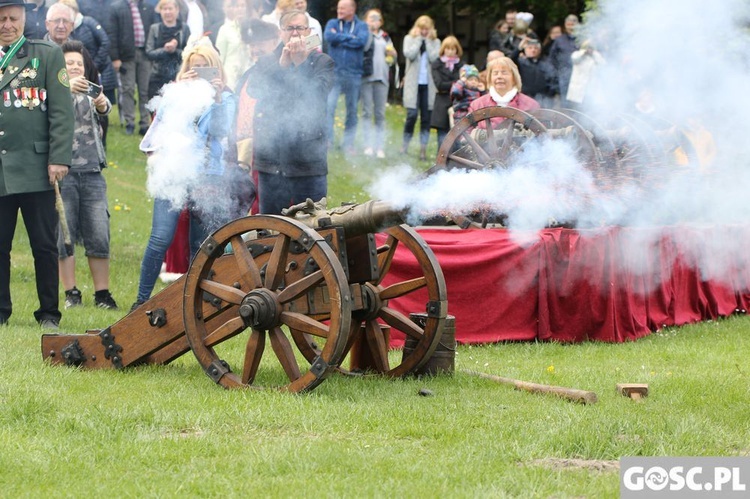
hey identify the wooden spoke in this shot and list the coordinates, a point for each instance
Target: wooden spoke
(277, 262)
(298, 288)
(481, 153)
(227, 293)
(304, 324)
(465, 162)
(491, 144)
(376, 342)
(399, 321)
(354, 329)
(385, 258)
(227, 330)
(508, 125)
(253, 353)
(283, 350)
(402, 288)
(305, 344)
(249, 272)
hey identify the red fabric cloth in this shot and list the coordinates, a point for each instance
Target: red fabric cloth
(177, 257)
(565, 285)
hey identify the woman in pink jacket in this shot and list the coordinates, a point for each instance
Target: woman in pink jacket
(504, 84)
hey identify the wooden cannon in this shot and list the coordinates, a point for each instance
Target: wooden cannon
(310, 283)
(619, 150)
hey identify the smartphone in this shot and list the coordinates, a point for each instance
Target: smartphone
(94, 90)
(207, 73)
(312, 41)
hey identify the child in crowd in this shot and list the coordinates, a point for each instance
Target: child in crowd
(465, 90)
(84, 190)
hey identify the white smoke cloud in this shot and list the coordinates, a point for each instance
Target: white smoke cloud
(178, 154)
(686, 59)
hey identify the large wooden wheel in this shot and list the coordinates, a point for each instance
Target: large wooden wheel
(427, 286)
(261, 287)
(479, 142)
(563, 127)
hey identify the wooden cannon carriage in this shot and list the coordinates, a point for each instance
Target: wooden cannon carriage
(311, 284)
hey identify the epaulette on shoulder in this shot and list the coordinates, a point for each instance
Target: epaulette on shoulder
(39, 41)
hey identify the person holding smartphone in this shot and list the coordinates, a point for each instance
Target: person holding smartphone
(84, 190)
(221, 191)
(290, 87)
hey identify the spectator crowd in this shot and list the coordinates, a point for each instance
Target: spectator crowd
(272, 77)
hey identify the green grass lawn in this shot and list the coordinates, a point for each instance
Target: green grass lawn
(169, 431)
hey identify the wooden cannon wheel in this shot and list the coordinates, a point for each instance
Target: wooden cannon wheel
(599, 137)
(259, 293)
(587, 153)
(429, 283)
(493, 147)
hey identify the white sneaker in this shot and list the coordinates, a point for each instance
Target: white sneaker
(368, 151)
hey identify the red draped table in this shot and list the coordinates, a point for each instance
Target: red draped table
(613, 285)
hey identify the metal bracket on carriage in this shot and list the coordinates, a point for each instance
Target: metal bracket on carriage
(111, 349)
(73, 354)
(217, 370)
(158, 316)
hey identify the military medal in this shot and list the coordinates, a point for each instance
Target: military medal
(12, 69)
(14, 83)
(17, 102)
(6, 98)
(34, 96)
(34, 66)
(25, 98)
(43, 98)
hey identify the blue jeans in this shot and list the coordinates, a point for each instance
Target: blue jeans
(163, 228)
(277, 192)
(349, 86)
(374, 96)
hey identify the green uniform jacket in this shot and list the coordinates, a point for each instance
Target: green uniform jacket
(34, 136)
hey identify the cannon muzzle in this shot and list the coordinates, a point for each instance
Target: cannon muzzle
(356, 219)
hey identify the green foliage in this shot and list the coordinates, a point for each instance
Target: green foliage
(169, 431)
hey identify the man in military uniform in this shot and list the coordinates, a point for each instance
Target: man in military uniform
(36, 143)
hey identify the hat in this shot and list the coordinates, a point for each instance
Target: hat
(18, 3)
(531, 40)
(256, 31)
(526, 17)
(470, 71)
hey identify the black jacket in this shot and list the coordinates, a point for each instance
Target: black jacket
(92, 35)
(289, 124)
(164, 65)
(537, 77)
(443, 78)
(35, 29)
(120, 28)
(98, 9)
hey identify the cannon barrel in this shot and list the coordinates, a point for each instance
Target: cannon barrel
(356, 219)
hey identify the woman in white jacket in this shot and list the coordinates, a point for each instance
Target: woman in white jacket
(421, 48)
(584, 61)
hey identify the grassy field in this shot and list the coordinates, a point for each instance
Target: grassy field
(167, 431)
